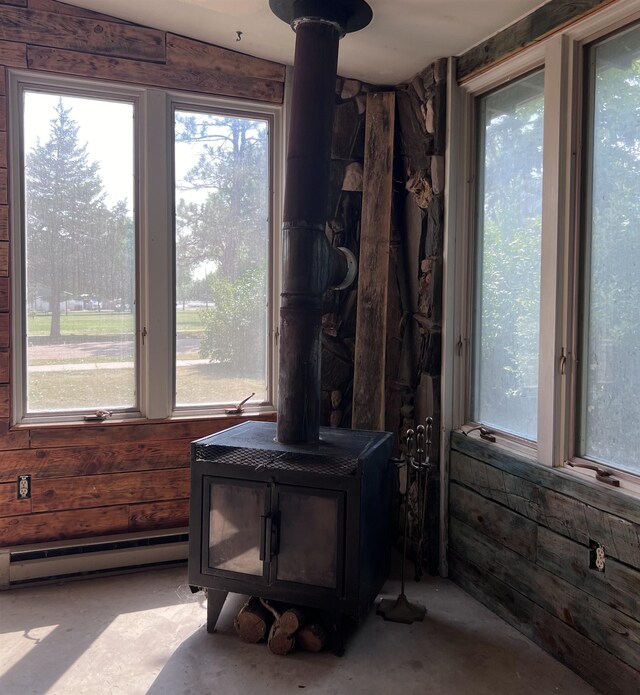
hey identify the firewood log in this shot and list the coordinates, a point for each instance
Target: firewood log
(253, 621)
(280, 642)
(292, 620)
(312, 637)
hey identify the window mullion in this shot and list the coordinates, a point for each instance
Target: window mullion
(156, 290)
(553, 362)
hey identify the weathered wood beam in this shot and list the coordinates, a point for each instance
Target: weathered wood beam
(547, 19)
(373, 266)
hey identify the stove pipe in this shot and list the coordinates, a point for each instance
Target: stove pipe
(311, 265)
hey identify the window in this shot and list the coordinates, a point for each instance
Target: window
(610, 370)
(222, 257)
(143, 251)
(79, 252)
(551, 286)
(507, 294)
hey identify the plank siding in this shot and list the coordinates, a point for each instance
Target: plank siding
(112, 488)
(106, 478)
(58, 526)
(80, 461)
(133, 71)
(80, 34)
(188, 53)
(174, 513)
(581, 616)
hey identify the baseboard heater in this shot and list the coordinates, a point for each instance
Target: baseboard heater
(79, 559)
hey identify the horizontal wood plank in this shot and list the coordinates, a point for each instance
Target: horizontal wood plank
(3, 152)
(4, 372)
(188, 79)
(106, 433)
(3, 178)
(499, 597)
(80, 34)
(3, 111)
(5, 411)
(4, 288)
(11, 440)
(549, 18)
(59, 494)
(188, 53)
(618, 586)
(157, 515)
(65, 8)
(593, 493)
(612, 630)
(4, 330)
(10, 505)
(4, 264)
(4, 222)
(597, 666)
(57, 526)
(13, 55)
(508, 528)
(559, 512)
(92, 460)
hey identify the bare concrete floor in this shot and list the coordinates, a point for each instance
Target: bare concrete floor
(145, 633)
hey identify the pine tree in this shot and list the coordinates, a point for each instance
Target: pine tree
(65, 197)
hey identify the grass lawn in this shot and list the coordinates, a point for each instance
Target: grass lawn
(91, 388)
(105, 322)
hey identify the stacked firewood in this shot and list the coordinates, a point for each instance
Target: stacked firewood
(283, 627)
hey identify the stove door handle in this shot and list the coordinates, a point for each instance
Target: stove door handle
(265, 537)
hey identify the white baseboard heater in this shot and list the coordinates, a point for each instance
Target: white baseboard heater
(82, 558)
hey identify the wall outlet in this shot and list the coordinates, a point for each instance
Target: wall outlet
(24, 487)
(596, 556)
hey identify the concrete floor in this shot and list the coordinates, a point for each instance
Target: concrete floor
(145, 633)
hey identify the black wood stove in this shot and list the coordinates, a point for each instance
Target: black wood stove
(305, 525)
(293, 511)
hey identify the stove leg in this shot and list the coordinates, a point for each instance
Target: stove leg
(338, 635)
(215, 601)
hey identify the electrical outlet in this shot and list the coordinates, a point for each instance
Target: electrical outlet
(24, 487)
(596, 556)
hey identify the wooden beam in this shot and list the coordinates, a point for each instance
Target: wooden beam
(546, 20)
(138, 72)
(80, 34)
(373, 266)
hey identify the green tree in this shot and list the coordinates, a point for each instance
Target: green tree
(65, 198)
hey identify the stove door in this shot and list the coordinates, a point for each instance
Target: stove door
(311, 537)
(233, 537)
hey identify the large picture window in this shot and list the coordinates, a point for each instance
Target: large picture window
(79, 243)
(611, 329)
(507, 288)
(143, 260)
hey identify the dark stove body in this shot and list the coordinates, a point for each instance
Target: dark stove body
(304, 524)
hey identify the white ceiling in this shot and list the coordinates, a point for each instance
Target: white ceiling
(404, 36)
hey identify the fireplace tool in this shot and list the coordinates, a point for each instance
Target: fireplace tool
(402, 610)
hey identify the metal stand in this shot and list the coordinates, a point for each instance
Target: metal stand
(402, 610)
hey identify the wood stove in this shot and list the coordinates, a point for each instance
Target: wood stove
(305, 525)
(293, 511)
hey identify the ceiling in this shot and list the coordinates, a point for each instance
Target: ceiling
(404, 36)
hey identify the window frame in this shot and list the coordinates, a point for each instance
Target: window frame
(563, 56)
(155, 243)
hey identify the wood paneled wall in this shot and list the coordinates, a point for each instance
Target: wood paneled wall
(520, 537)
(107, 478)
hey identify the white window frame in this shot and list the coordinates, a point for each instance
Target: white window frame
(154, 225)
(562, 58)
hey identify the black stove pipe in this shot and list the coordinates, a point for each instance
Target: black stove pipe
(311, 265)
